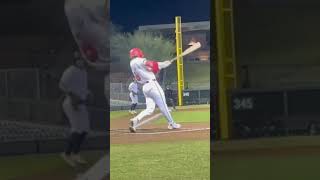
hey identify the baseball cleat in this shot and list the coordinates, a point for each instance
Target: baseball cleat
(132, 129)
(68, 159)
(174, 126)
(77, 158)
(132, 112)
(133, 123)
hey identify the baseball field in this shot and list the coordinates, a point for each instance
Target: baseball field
(155, 152)
(43, 166)
(279, 158)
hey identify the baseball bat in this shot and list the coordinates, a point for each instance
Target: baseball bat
(189, 50)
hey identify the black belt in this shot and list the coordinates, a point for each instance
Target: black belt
(151, 80)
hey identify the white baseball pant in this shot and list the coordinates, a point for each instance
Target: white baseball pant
(154, 96)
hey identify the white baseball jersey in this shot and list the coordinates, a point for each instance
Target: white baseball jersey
(133, 87)
(140, 71)
(74, 80)
(151, 89)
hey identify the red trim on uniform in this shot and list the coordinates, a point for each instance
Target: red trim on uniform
(137, 77)
(89, 52)
(152, 66)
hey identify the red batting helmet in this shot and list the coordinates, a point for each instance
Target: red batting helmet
(136, 52)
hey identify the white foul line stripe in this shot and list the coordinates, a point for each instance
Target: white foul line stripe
(98, 171)
(148, 120)
(171, 131)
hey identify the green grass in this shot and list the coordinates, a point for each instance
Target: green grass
(196, 75)
(118, 114)
(25, 166)
(192, 117)
(201, 106)
(188, 117)
(297, 167)
(276, 158)
(165, 161)
(31, 165)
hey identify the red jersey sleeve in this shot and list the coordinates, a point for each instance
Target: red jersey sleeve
(152, 66)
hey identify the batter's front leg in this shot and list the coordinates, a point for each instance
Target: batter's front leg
(148, 111)
(160, 100)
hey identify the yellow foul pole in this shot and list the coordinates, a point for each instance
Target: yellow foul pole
(226, 59)
(179, 60)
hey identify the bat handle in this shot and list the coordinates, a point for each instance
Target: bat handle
(173, 59)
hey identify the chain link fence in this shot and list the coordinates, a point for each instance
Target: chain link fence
(192, 85)
(119, 96)
(20, 83)
(119, 91)
(33, 95)
(28, 83)
(38, 84)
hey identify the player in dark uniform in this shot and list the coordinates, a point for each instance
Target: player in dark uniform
(170, 97)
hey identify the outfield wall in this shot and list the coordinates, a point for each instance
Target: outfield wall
(275, 112)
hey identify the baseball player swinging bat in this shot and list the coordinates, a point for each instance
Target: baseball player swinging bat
(189, 50)
(145, 72)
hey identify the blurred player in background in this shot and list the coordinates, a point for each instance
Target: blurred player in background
(133, 88)
(74, 84)
(170, 97)
(145, 72)
(89, 23)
